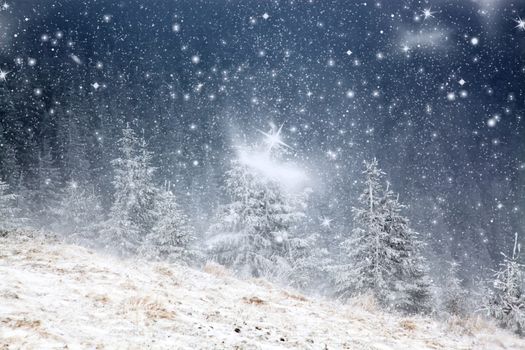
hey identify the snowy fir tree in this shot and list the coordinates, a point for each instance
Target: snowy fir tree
(131, 216)
(507, 302)
(454, 296)
(310, 260)
(172, 234)
(46, 191)
(8, 211)
(79, 211)
(252, 234)
(410, 283)
(383, 252)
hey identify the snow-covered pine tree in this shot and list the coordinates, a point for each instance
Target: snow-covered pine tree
(410, 283)
(309, 263)
(79, 211)
(384, 257)
(251, 234)
(368, 250)
(507, 304)
(8, 211)
(44, 197)
(454, 294)
(132, 214)
(172, 234)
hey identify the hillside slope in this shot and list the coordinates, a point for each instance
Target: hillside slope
(53, 294)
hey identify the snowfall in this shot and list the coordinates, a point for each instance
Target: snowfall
(59, 295)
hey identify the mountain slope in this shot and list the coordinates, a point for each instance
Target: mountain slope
(54, 294)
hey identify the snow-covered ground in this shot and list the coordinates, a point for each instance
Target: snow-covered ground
(54, 294)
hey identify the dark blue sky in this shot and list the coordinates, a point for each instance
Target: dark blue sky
(433, 89)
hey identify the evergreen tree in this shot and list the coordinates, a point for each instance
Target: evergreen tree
(507, 303)
(309, 263)
(8, 212)
(252, 234)
(383, 252)
(368, 248)
(44, 196)
(79, 210)
(454, 295)
(132, 214)
(172, 234)
(410, 284)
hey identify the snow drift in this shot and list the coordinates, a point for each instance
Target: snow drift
(54, 295)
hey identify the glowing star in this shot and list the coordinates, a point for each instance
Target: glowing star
(273, 138)
(325, 222)
(3, 75)
(427, 13)
(349, 52)
(265, 15)
(95, 85)
(5, 6)
(521, 23)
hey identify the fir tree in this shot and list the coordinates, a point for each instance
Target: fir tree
(79, 210)
(507, 304)
(8, 211)
(454, 295)
(384, 256)
(172, 234)
(410, 284)
(368, 247)
(252, 234)
(131, 216)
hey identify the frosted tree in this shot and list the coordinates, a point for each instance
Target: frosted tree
(79, 211)
(409, 284)
(251, 234)
(383, 253)
(45, 196)
(8, 211)
(368, 249)
(172, 234)
(309, 263)
(454, 294)
(507, 304)
(132, 214)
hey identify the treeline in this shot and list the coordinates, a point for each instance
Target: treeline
(259, 232)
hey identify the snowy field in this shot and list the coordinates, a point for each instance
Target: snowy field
(54, 295)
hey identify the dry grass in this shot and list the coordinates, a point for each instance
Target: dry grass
(365, 302)
(294, 296)
(408, 325)
(253, 300)
(152, 309)
(469, 325)
(216, 269)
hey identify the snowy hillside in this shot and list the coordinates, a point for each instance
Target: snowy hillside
(53, 294)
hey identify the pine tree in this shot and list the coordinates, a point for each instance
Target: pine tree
(252, 234)
(384, 256)
(44, 197)
(131, 216)
(172, 234)
(368, 247)
(507, 304)
(454, 295)
(309, 263)
(79, 210)
(410, 284)
(8, 212)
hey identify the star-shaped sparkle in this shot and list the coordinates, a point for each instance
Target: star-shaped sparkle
(427, 13)
(273, 138)
(325, 222)
(520, 23)
(3, 75)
